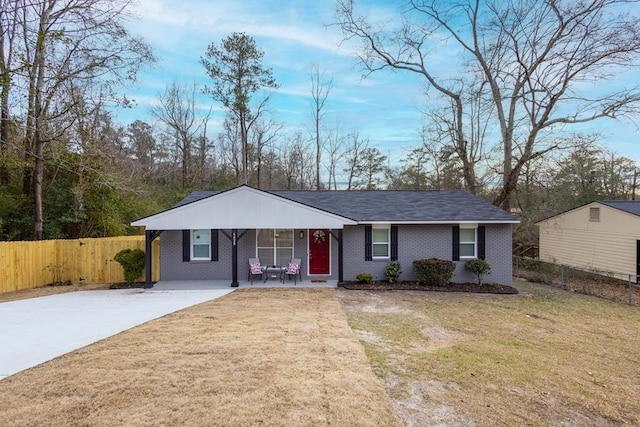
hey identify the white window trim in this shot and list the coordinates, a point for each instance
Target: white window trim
(475, 241)
(275, 247)
(195, 258)
(373, 243)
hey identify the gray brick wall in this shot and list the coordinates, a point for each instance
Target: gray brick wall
(414, 242)
(432, 241)
(172, 267)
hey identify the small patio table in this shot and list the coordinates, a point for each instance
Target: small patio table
(274, 270)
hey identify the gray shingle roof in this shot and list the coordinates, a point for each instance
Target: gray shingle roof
(629, 206)
(391, 205)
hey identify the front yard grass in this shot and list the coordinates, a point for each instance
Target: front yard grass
(287, 357)
(283, 357)
(543, 357)
(44, 291)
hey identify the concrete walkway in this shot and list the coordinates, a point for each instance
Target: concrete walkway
(33, 331)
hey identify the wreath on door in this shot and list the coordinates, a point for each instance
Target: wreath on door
(318, 236)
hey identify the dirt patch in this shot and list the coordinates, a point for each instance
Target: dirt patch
(253, 357)
(416, 406)
(412, 399)
(542, 357)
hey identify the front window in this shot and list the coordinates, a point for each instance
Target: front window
(201, 244)
(467, 243)
(380, 240)
(275, 247)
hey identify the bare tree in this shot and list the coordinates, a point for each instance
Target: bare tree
(533, 55)
(265, 132)
(403, 50)
(335, 152)
(67, 47)
(351, 156)
(230, 145)
(320, 87)
(177, 110)
(142, 144)
(290, 158)
(8, 28)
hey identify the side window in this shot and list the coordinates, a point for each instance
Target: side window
(201, 244)
(468, 243)
(380, 242)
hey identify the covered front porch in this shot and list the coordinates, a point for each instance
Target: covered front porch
(212, 239)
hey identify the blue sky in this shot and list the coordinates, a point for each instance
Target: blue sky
(386, 107)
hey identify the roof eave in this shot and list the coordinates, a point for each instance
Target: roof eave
(440, 222)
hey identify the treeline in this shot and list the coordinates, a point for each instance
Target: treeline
(68, 169)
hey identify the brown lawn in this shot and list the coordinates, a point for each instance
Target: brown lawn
(542, 357)
(44, 291)
(254, 357)
(288, 357)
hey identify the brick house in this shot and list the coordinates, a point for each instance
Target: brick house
(335, 234)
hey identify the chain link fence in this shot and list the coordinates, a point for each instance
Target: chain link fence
(613, 286)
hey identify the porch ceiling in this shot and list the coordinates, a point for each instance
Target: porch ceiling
(244, 208)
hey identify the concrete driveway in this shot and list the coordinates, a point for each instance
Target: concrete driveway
(33, 331)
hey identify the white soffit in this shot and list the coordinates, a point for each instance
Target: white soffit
(243, 207)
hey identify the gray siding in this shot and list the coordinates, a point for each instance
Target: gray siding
(429, 241)
(414, 242)
(172, 267)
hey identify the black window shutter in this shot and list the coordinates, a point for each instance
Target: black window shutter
(481, 240)
(456, 243)
(214, 245)
(394, 243)
(186, 245)
(368, 243)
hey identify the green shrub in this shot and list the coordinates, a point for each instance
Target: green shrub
(393, 271)
(434, 271)
(479, 267)
(132, 262)
(364, 278)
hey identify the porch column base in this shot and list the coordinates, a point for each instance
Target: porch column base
(234, 284)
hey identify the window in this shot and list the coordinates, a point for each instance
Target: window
(594, 214)
(467, 243)
(201, 244)
(380, 242)
(274, 247)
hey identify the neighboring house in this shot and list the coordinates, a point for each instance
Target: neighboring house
(336, 234)
(602, 236)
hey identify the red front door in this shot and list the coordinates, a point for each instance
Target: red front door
(319, 254)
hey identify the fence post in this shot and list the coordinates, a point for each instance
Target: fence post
(562, 275)
(629, 290)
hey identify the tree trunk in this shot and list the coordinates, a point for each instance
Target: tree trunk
(245, 146)
(318, 153)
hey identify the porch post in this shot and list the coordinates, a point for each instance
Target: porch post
(148, 240)
(340, 257)
(234, 258)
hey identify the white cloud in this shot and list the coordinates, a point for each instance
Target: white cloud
(294, 34)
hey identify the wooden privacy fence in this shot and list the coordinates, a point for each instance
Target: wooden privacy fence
(25, 265)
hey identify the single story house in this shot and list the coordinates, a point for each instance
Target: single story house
(335, 234)
(601, 235)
